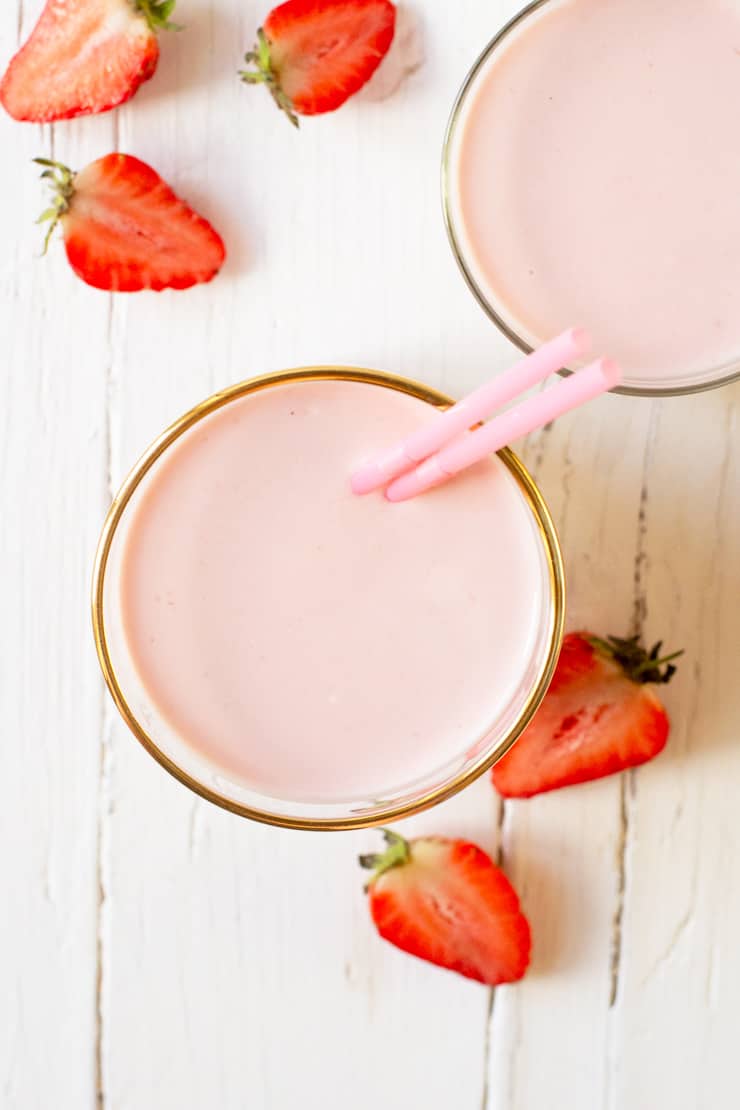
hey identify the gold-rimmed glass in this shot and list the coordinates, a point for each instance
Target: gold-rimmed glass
(186, 765)
(514, 330)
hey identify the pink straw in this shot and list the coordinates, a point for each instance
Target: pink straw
(552, 356)
(535, 412)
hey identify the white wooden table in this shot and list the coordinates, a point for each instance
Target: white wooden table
(157, 953)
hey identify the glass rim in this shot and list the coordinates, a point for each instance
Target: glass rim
(431, 797)
(727, 375)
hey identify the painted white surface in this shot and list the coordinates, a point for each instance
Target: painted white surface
(157, 953)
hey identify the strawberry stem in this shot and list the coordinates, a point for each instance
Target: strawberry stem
(61, 180)
(157, 14)
(638, 664)
(397, 853)
(650, 664)
(266, 74)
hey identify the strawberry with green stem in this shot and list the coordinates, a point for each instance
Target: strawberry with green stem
(126, 230)
(312, 55)
(446, 902)
(601, 715)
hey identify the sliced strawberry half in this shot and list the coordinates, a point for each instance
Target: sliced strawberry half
(83, 57)
(126, 230)
(314, 54)
(446, 902)
(600, 716)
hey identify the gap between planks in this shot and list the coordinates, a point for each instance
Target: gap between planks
(628, 781)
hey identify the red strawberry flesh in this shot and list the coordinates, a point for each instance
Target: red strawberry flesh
(450, 905)
(126, 230)
(595, 720)
(84, 56)
(315, 54)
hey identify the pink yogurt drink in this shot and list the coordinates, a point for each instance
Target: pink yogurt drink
(306, 656)
(592, 177)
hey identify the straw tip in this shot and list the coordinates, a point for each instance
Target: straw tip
(365, 480)
(396, 492)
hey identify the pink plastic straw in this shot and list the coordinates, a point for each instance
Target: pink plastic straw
(549, 358)
(535, 412)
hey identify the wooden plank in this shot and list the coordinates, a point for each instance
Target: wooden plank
(52, 483)
(672, 1027)
(564, 849)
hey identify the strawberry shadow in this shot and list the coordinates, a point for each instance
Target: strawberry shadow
(405, 57)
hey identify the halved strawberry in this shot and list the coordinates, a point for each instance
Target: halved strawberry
(126, 230)
(599, 716)
(314, 54)
(445, 901)
(84, 56)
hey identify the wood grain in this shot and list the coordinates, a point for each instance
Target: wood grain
(56, 347)
(159, 953)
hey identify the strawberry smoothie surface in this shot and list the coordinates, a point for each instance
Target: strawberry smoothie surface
(317, 646)
(594, 176)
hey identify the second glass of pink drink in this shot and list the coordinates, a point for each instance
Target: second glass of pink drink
(306, 657)
(592, 176)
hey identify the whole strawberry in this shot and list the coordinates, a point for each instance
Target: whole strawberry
(83, 57)
(601, 715)
(313, 55)
(126, 230)
(445, 901)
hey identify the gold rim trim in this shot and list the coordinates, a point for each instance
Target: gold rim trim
(354, 821)
(729, 374)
